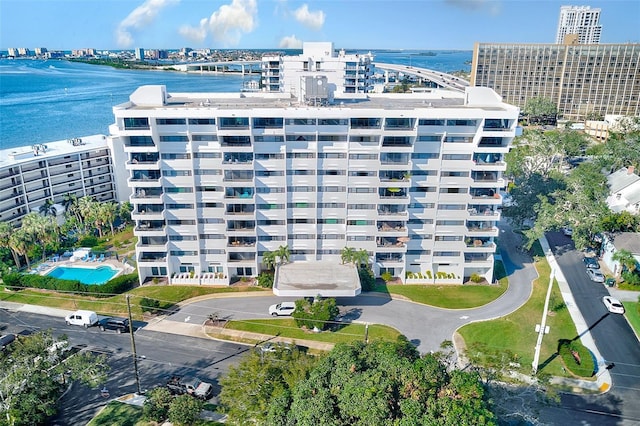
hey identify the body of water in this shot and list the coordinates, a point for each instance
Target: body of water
(48, 100)
(87, 275)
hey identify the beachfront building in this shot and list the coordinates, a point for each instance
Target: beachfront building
(219, 179)
(582, 80)
(31, 175)
(343, 73)
(582, 21)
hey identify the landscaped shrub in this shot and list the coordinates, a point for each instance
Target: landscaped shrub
(315, 314)
(265, 279)
(117, 285)
(149, 305)
(367, 280)
(476, 278)
(576, 358)
(386, 276)
(88, 241)
(631, 278)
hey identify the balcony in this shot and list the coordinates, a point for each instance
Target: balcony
(393, 193)
(391, 242)
(241, 225)
(149, 212)
(241, 242)
(242, 257)
(150, 228)
(480, 243)
(394, 176)
(391, 210)
(147, 194)
(240, 209)
(152, 258)
(391, 226)
(389, 258)
(239, 192)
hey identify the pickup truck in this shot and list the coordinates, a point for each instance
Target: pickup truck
(190, 385)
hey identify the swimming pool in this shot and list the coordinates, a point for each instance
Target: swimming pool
(99, 275)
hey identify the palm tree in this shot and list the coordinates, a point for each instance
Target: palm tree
(108, 213)
(124, 211)
(20, 241)
(347, 255)
(283, 253)
(42, 229)
(626, 259)
(70, 203)
(269, 259)
(6, 230)
(48, 208)
(361, 257)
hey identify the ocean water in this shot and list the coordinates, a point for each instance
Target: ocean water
(44, 101)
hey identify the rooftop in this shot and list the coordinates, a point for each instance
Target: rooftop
(24, 154)
(621, 179)
(309, 279)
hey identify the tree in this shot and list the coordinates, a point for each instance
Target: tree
(315, 314)
(185, 410)
(124, 211)
(34, 372)
(108, 213)
(6, 230)
(540, 109)
(20, 242)
(347, 254)
(283, 253)
(259, 386)
(269, 259)
(48, 208)
(626, 260)
(156, 405)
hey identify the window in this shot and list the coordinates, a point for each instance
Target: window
(204, 138)
(210, 220)
(422, 189)
(175, 156)
(332, 138)
(270, 206)
(268, 173)
(137, 123)
(171, 121)
(302, 236)
(208, 188)
(269, 156)
(272, 237)
(202, 121)
(419, 252)
(301, 188)
(454, 174)
(424, 155)
(361, 206)
(174, 138)
(365, 139)
(331, 221)
(449, 222)
(174, 173)
(331, 205)
(332, 189)
(448, 238)
(207, 155)
(446, 253)
(267, 123)
(358, 222)
(399, 123)
(362, 190)
(331, 237)
(360, 238)
(454, 190)
(212, 236)
(300, 121)
(180, 222)
(365, 123)
(332, 155)
(301, 155)
(182, 238)
(236, 140)
(457, 157)
(207, 172)
(269, 138)
(331, 172)
(177, 190)
(210, 205)
(332, 122)
(178, 206)
(396, 141)
(429, 138)
(452, 206)
(461, 123)
(362, 173)
(234, 123)
(269, 190)
(301, 205)
(301, 221)
(301, 138)
(430, 122)
(271, 222)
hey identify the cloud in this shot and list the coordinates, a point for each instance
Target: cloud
(493, 7)
(290, 42)
(313, 20)
(226, 24)
(139, 18)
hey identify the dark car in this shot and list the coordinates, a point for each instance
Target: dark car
(591, 262)
(120, 325)
(6, 340)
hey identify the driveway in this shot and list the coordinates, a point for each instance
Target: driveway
(425, 326)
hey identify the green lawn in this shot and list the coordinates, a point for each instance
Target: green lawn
(116, 305)
(287, 328)
(632, 312)
(119, 414)
(447, 296)
(515, 334)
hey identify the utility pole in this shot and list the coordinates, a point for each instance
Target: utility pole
(133, 347)
(542, 325)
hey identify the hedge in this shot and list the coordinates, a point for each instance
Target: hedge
(120, 284)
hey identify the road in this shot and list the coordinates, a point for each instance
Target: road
(612, 334)
(160, 356)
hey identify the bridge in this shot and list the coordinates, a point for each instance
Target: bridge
(442, 79)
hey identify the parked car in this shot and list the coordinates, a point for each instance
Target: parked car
(274, 347)
(83, 318)
(613, 305)
(595, 275)
(118, 324)
(283, 308)
(591, 262)
(6, 340)
(190, 385)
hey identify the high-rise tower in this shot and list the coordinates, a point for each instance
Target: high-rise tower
(579, 20)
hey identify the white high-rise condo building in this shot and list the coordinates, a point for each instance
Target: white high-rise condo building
(219, 179)
(580, 20)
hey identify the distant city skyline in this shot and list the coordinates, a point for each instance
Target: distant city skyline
(278, 24)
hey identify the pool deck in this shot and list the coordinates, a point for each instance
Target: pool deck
(46, 267)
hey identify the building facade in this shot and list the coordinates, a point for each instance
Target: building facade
(581, 21)
(219, 179)
(31, 175)
(344, 73)
(583, 80)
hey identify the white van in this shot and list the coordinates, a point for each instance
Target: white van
(84, 318)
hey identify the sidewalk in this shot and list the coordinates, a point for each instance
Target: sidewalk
(603, 377)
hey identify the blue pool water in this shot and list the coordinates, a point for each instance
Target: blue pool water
(99, 275)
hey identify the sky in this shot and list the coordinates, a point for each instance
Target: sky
(279, 24)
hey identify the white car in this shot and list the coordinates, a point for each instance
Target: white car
(595, 275)
(613, 305)
(281, 309)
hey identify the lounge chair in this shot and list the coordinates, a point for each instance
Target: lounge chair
(101, 258)
(85, 258)
(92, 258)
